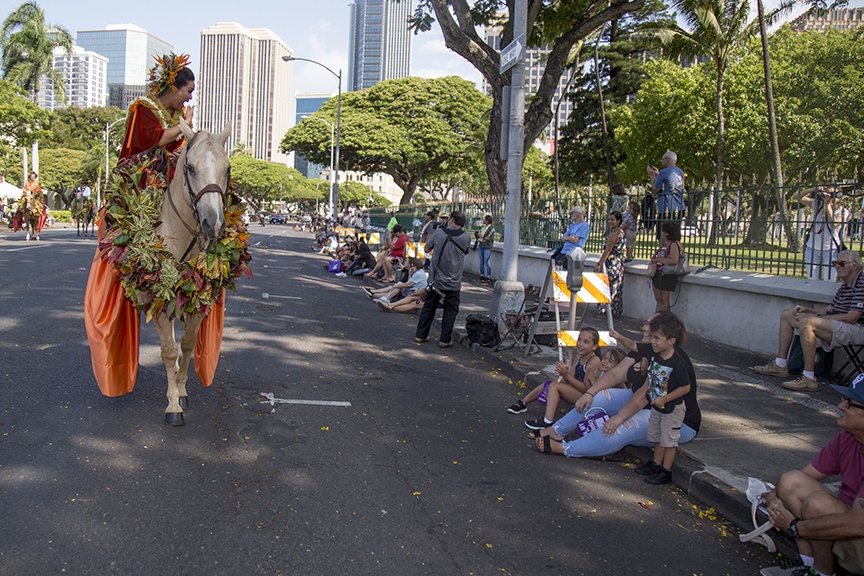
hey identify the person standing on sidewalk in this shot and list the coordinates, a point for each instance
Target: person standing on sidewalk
(485, 241)
(841, 323)
(448, 245)
(575, 236)
(668, 184)
(828, 529)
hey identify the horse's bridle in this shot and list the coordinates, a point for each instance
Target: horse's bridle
(194, 199)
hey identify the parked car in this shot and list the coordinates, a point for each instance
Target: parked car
(690, 231)
(277, 219)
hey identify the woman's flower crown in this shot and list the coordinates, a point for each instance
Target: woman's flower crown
(162, 75)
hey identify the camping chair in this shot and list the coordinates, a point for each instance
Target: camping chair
(517, 324)
(853, 359)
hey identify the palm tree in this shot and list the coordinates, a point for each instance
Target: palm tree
(27, 45)
(714, 29)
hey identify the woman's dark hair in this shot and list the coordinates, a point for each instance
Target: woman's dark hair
(672, 229)
(617, 216)
(489, 218)
(183, 77)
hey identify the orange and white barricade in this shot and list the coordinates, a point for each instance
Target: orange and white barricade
(414, 250)
(568, 338)
(595, 288)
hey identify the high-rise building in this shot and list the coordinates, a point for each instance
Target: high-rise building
(85, 80)
(245, 84)
(837, 19)
(535, 66)
(306, 105)
(131, 52)
(379, 45)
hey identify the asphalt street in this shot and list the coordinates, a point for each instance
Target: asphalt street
(330, 443)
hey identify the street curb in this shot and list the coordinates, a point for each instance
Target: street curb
(689, 474)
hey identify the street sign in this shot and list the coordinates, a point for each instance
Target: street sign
(512, 53)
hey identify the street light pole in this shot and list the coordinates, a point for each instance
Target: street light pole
(332, 146)
(100, 194)
(338, 124)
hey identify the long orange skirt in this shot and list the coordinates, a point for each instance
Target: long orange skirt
(113, 330)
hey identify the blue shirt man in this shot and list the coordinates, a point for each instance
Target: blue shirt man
(668, 184)
(578, 231)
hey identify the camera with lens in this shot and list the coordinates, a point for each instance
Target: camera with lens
(834, 193)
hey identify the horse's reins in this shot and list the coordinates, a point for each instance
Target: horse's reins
(194, 198)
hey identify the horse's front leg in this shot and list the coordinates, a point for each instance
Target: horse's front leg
(168, 348)
(191, 325)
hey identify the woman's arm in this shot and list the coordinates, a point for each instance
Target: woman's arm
(671, 258)
(610, 243)
(623, 340)
(617, 375)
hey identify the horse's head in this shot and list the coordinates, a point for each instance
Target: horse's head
(206, 174)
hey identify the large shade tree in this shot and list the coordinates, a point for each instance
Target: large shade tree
(558, 25)
(28, 43)
(21, 124)
(407, 128)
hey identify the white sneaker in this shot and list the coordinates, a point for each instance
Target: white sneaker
(772, 369)
(341, 275)
(802, 383)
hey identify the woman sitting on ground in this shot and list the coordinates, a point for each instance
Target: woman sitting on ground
(629, 406)
(394, 251)
(587, 362)
(363, 262)
(416, 281)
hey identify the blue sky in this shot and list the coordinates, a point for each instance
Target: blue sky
(316, 29)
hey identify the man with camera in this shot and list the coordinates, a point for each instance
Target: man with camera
(575, 236)
(448, 245)
(668, 184)
(841, 323)
(822, 240)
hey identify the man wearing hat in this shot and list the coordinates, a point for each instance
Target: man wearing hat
(828, 529)
(574, 237)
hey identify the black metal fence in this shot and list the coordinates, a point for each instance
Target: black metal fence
(733, 229)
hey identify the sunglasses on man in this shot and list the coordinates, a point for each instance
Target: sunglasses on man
(840, 263)
(848, 403)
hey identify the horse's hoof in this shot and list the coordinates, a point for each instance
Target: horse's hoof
(184, 402)
(174, 418)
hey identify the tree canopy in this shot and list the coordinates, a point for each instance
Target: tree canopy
(407, 128)
(260, 181)
(28, 43)
(60, 171)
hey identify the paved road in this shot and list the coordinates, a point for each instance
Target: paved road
(423, 472)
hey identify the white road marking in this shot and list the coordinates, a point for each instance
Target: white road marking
(266, 295)
(273, 401)
(26, 248)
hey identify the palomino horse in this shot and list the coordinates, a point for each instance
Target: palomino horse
(193, 215)
(84, 214)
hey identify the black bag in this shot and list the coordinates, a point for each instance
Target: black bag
(795, 364)
(482, 330)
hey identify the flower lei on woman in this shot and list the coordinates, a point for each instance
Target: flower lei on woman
(150, 275)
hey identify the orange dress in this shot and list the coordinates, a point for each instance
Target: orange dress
(112, 321)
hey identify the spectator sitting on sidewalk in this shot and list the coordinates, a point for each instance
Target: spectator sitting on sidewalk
(394, 250)
(627, 406)
(574, 381)
(417, 281)
(363, 262)
(824, 525)
(841, 323)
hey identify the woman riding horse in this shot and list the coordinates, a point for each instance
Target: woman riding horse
(153, 141)
(32, 207)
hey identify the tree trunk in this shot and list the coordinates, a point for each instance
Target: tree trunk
(791, 237)
(721, 152)
(606, 152)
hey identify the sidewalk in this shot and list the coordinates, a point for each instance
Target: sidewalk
(751, 425)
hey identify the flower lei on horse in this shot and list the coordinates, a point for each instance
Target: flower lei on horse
(151, 277)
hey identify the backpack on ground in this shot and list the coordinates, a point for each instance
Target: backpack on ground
(482, 330)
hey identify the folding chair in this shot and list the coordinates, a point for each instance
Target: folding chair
(853, 359)
(517, 324)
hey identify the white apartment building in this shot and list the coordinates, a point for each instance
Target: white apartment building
(244, 83)
(85, 80)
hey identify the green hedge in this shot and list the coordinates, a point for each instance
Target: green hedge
(62, 215)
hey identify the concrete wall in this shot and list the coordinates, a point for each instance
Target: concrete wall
(739, 309)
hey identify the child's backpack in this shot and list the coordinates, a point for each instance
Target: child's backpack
(482, 330)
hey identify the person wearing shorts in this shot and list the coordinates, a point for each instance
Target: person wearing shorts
(668, 382)
(828, 528)
(839, 324)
